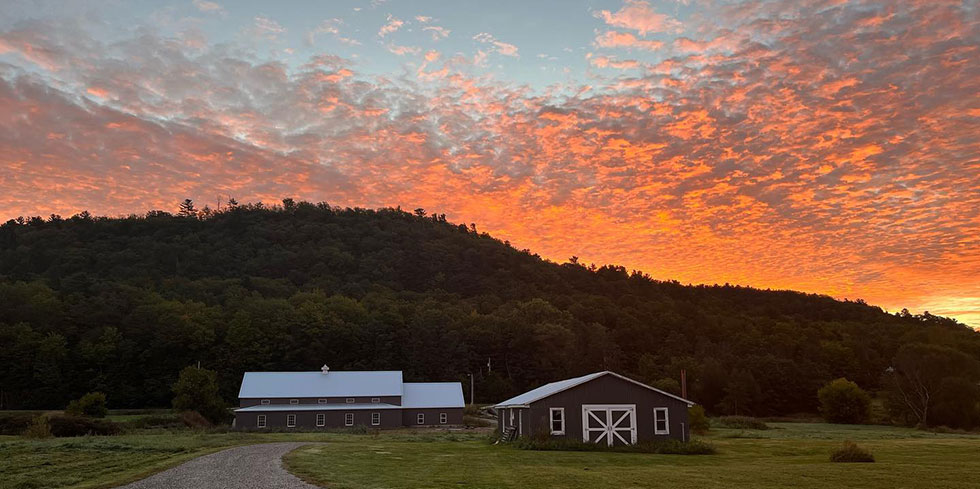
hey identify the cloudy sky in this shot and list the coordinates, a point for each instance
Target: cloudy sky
(824, 146)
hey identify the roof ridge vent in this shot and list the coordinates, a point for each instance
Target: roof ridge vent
(325, 369)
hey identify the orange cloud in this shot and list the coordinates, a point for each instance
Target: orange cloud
(818, 150)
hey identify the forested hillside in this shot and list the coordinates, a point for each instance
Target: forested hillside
(120, 305)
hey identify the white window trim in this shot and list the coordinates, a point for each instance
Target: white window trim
(350, 400)
(264, 402)
(443, 418)
(290, 421)
(375, 419)
(656, 418)
(375, 400)
(349, 419)
(294, 401)
(551, 420)
(321, 419)
(260, 421)
(321, 401)
(420, 418)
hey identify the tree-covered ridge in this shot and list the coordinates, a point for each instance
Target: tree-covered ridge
(121, 305)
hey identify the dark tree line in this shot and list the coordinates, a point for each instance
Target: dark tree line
(121, 305)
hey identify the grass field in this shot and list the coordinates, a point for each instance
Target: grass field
(793, 455)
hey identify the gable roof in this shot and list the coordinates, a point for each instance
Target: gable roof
(317, 384)
(533, 395)
(433, 395)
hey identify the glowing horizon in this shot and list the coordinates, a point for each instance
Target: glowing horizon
(828, 147)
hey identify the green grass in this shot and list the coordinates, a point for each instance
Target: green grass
(789, 455)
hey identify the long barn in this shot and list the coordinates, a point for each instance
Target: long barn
(331, 399)
(602, 407)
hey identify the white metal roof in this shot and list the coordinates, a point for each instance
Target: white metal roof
(317, 384)
(433, 395)
(546, 390)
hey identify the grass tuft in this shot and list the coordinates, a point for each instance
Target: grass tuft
(851, 452)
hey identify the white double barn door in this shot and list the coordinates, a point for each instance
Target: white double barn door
(612, 424)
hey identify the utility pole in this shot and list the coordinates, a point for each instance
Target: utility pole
(472, 399)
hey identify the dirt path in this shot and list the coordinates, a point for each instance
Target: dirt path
(248, 467)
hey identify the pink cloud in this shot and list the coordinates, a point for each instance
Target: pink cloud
(638, 15)
(613, 39)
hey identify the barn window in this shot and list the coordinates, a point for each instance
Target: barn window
(290, 420)
(375, 419)
(350, 400)
(260, 421)
(349, 419)
(420, 419)
(264, 402)
(558, 421)
(443, 418)
(321, 419)
(661, 425)
(294, 401)
(375, 400)
(321, 401)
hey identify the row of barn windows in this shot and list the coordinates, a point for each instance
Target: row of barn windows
(321, 419)
(350, 400)
(661, 423)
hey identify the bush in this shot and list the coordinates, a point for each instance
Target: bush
(39, 428)
(15, 424)
(193, 419)
(91, 404)
(842, 401)
(699, 421)
(741, 423)
(476, 422)
(64, 426)
(851, 452)
(663, 447)
(197, 390)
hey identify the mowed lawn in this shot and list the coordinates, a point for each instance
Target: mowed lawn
(792, 455)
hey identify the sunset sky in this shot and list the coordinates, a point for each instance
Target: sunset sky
(823, 146)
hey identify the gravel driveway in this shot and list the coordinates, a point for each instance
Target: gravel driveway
(248, 467)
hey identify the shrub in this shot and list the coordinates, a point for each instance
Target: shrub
(851, 452)
(63, 426)
(842, 401)
(476, 422)
(39, 428)
(91, 404)
(193, 419)
(15, 424)
(699, 421)
(663, 447)
(197, 390)
(741, 423)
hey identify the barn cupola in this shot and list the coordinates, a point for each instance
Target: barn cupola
(325, 369)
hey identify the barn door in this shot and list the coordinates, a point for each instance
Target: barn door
(613, 424)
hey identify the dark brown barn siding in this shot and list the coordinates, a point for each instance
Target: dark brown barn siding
(390, 418)
(609, 389)
(454, 415)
